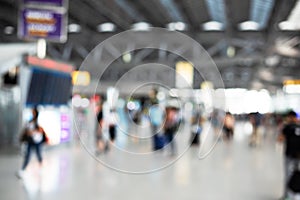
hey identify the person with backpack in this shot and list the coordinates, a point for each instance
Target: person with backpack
(291, 137)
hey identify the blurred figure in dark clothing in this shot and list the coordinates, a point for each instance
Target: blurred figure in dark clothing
(290, 135)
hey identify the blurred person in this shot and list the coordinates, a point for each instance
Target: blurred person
(228, 127)
(196, 128)
(156, 114)
(255, 120)
(170, 127)
(112, 120)
(33, 136)
(216, 122)
(156, 120)
(290, 135)
(269, 124)
(100, 142)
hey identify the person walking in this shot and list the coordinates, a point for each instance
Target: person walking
(33, 136)
(228, 127)
(170, 127)
(290, 135)
(101, 145)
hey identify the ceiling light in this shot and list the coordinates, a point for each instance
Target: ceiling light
(249, 26)
(292, 22)
(8, 30)
(176, 26)
(106, 27)
(141, 26)
(288, 26)
(127, 57)
(230, 51)
(74, 28)
(213, 26)
(272, 61)
(41, 48)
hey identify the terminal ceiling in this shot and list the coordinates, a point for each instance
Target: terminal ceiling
(254, 59)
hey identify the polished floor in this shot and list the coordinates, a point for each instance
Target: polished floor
(227, 171)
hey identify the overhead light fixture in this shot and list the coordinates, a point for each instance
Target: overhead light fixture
(8, 30)
(288, 26)
(106, 27)
(230, 51)
(249, 26)
(141, 26)
(81, 78)
(176, 26)
(127, 57)
(213, 26)
(74, 28)
(272, 61)
(41, 48)
(292, 22)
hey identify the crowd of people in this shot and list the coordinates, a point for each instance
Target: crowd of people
(165, 123)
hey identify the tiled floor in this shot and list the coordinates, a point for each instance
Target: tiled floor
(231, 171)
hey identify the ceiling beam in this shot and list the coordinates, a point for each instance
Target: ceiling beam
(9, 14)
(173, 10)
(130, 10)
(229, 30)
(155, 16)
(108, 13)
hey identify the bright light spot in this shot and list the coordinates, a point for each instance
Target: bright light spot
(184, 74)
(106, 27)
(239, 101)
(272, 60)
(74, 28)
(292, 89)
(213, 26)
(85, 102)
(141, 26)
(127, 57)
(76, 101)
(41, 48)
(131, 105)
(230, 51)
(249, 26)
(177, 26)
(8, 30)
(288, 26)
(112, 97)
(161, 96)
